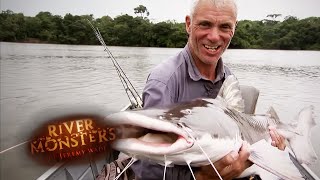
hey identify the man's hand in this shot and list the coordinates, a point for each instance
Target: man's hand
(229, 167)
(277, 140)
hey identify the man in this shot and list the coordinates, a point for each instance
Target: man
(197, 71)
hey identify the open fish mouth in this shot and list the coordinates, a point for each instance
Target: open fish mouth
(140, 134)
(167, 136)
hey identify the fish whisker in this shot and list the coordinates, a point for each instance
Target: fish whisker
(166, 163)
(183, 126)
(188, 163)
(128, 165)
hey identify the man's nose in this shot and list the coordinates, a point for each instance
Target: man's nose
(214, 34)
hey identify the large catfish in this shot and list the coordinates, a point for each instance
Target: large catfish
(191, 133)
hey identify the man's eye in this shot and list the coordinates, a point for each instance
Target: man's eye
(226, 27)
(204, 24)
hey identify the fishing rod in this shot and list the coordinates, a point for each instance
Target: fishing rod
(135, 100)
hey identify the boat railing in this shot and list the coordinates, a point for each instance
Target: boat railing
(89, 167)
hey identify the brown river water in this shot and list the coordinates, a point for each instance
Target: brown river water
(39, 76)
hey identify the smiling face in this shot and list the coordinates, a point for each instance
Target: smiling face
(210, 28)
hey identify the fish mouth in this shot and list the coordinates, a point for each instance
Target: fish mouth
(139, 134)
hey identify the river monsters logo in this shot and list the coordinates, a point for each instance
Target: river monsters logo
(71, 137)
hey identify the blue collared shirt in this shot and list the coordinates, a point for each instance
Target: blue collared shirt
(179, 80)
(173, 81)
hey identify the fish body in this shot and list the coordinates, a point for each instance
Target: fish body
(192, 132)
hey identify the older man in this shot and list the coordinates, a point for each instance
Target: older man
(197, 71)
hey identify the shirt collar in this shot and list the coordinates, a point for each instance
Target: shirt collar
(193, 70)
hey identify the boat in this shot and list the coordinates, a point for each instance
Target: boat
(90, 167)
(66, 171)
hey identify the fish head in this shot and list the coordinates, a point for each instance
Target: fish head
(179, 134)
(141, 134)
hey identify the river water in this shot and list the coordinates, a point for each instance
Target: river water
(40, 76)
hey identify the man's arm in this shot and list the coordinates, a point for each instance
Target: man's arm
(277, 140)
(229, 167)
(156, 94)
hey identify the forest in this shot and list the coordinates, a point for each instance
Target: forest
(125, 30)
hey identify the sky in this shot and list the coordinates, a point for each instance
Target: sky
(161, 10)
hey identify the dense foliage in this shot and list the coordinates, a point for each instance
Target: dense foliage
(126, 30)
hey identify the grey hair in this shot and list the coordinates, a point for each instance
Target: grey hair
(216, 3)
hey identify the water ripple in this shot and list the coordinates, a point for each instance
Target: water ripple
(301, 71)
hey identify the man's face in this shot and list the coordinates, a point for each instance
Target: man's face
(210, 31)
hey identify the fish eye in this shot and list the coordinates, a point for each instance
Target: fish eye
(186, 111)
(215, 135)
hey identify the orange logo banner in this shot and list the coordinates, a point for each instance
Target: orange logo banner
(71, 137)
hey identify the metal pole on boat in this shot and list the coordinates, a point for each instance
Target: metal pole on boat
(135, 100)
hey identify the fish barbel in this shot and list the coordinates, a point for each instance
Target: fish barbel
(204, 130)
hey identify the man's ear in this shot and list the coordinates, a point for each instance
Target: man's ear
(188, 23)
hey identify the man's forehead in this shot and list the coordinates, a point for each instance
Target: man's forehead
(211, 12)
(223, 6)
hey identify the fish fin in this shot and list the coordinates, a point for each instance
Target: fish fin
(280, 164)
(300, 143)
(231, 94)
(286, 130)
(273, 114)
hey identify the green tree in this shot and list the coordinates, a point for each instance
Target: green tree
(126, 30)
(179, 36)
(33, 26)
(161, 33)
(105, 25)
(123, 26)
(142, 10)
(13, 26)
(274, 16)
(47, 27)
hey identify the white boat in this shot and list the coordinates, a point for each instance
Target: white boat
(90, 170)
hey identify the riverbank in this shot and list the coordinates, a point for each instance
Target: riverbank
(126, 30)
